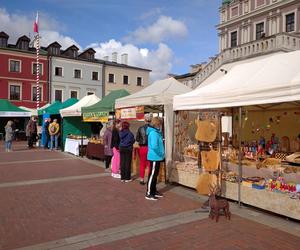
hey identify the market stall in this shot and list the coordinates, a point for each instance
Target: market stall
(158, 96)
(72, 123)
(9, 111)
(100, 112)
(247, 123)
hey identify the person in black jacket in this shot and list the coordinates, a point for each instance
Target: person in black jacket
(126, 147)
(115, 144)
(142, 139)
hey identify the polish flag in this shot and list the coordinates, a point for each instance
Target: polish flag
(36, 24)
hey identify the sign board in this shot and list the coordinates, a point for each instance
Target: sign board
(96, 117)
(132, 113)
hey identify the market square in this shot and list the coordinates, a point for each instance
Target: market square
(175, 125)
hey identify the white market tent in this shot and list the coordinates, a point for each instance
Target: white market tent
(158, 93)
(75, 109)
(273, 79)
(32, 111)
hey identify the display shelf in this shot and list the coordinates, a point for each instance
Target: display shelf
(271, 201)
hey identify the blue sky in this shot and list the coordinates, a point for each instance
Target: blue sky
(164, 35)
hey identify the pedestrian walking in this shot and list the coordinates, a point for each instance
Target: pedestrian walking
(108, 152)
(126, 147)
(156, 154)
(9, 134)
(115, 145)
(142, 139)
(54, 134)
(46, 132)
(31, 132)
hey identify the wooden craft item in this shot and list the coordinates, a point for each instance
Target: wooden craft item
(285, 144)
(204, 180)
(206, 130)
(210, 160)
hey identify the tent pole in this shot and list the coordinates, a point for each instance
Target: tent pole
(61, 137)
(163, 129)
(81, 146)
(240, 156)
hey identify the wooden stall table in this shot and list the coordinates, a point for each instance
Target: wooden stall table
(95, 150)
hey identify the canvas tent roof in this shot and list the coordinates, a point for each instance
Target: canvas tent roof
(273, 79)
(7, 109)
(158, 93)
(54, 109)
(75, 109)
(107, 103)
(32, 111)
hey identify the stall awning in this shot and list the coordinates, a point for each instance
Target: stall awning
(54, 109)
(100, 110)
(75, 109)
(158, 93)
(273, 79)
(7, 109)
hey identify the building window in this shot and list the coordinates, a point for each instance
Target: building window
(290, 22)
(125, 80)
(74, 94)
(14, 66)
(77, 73)
(95, 76)
(90, 93)
(15, 92)
(234, 11)
(34, 94)
(3, 42)
(233, 39)
(58, 71)
(259, 30)
(34, 69)
(111, 78)
(139, 81)
(55, 51)
(58, 95)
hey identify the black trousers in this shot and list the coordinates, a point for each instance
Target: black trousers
(31, 140)
(125, 163)
(152, 179)
(107, 160)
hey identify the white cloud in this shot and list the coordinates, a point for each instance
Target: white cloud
(16, 25)
(163, 29)
(158, 60)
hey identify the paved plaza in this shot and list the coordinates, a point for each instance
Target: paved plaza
(53, 200)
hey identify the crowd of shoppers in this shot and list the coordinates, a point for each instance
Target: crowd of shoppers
(118, 149)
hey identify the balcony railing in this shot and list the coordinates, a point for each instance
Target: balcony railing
(280, 42)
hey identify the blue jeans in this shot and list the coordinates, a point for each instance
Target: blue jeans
(54, 138)
(8, 145)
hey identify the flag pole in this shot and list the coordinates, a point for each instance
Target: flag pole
(37, 38)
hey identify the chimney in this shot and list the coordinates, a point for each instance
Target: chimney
(105, 58)
(114, 57)
(124, 58)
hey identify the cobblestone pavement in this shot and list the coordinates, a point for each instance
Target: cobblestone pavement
(52, 200)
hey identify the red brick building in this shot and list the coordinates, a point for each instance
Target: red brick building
(18, 72)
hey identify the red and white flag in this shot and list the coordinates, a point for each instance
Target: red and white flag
(36, 24)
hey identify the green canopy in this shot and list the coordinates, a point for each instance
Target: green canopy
(51, 106)
(107, 103)
(54, 109)
(100, 110)
(7, 109)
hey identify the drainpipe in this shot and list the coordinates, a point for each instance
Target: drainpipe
(49, 78)
(103, 79)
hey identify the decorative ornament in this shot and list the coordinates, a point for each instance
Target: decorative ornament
(271, 120)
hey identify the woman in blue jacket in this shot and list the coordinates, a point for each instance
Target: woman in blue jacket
(156, 154)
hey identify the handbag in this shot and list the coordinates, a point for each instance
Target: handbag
(210, 160)
(206, 130)
(204, 180)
